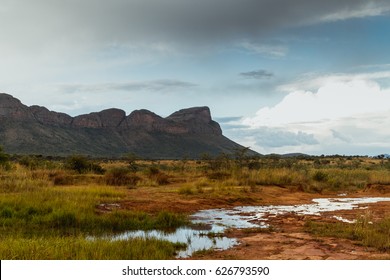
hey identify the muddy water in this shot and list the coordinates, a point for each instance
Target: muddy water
(218, 220)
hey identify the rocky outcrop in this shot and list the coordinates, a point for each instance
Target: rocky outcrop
(197, 119)
(11, 107)
(109, 133)
(200, 114)
(143, 119)
(44, 116)
(106, 118)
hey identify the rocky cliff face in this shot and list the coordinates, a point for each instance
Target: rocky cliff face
(197, 119)
(13, 108)
(35, 129)
(106, 118)
(44, 116)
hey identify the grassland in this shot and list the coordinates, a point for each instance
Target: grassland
(50, 207)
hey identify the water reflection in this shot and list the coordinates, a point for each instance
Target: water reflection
(196, 240)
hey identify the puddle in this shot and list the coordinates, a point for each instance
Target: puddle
(196, 240)
(257, 216)
(218, 220)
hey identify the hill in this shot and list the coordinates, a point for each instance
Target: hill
(110, 133)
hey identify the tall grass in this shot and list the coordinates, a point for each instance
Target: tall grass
(376, 234)
(29, 205)
(40, 220)
(80, 248)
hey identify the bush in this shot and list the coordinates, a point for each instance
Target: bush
(156, 175)
(320, 176)
(4, 160)
(29, 161)
(81, 165)
(60, 178)
(121, 176)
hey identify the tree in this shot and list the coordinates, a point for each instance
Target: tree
(82, 165)
(131, 159)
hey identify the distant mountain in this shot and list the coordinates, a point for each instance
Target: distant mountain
(294, 155)
(110, 133)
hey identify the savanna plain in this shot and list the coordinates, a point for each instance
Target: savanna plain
(67, 208)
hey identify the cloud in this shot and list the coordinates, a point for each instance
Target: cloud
(274, 138)
(314, 81)
(331, 101)
(257, 74)
(156, 85)
(227, 119)
(46, 22)
(347, 114)
(340, 136)
(269, 50)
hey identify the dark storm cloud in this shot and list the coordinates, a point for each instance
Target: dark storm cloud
(182, 21)
(258, 74)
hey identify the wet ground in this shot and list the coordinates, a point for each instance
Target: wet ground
(286, 240)
(245, 231)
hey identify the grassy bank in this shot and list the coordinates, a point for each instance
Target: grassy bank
(79, 248)
(40, 219)
(364, 232)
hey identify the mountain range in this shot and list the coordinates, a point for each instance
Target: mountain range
(110, 133)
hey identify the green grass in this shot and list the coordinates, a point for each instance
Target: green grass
(375, 234)
(39, 220)
(80, 248)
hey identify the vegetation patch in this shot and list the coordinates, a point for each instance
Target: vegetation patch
(121, 176)
(376, 234)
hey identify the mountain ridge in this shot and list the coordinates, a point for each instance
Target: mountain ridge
(110, 132)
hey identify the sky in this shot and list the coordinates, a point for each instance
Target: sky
(280, 76)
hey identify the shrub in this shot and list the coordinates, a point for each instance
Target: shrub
(156, 175)
(81, 165)
(4, 160)
(121, 176)
(60, 178)
(29, 161)
(320, 176)
(161, 179)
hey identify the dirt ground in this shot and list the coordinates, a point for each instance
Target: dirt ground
(287, 240)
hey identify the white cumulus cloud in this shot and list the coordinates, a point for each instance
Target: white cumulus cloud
(347, 114)
(331, 101)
